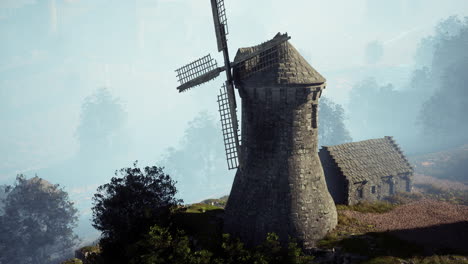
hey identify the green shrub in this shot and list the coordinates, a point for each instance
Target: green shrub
(163, 245)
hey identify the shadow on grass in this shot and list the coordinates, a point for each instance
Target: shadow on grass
(434, 240)
(202, 222)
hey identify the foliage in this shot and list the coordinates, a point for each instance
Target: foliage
(332, 130)
(37, 224)
(127, 207)
(441, 116)
(377, 107)
(194, 236)
(429, 109)
(164, 245)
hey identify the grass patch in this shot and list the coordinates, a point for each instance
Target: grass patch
(347, 227)
(202, 208)
(368, 207)
(220, 202)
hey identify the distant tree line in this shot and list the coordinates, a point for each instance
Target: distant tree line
(429, 113)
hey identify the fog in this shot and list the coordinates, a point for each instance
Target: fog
(88, 86)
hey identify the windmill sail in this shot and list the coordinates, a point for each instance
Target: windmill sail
(230, 130)
(220, 23)
(198, 72)
(206, 69)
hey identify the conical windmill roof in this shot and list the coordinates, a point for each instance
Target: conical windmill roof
(281, 65)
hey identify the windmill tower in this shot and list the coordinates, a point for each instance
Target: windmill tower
(279, 185)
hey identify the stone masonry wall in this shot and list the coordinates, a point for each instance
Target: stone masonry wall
(378, 189)
(281, 185)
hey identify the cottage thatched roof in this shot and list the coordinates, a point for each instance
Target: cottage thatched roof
(275, 65)
(373, 158)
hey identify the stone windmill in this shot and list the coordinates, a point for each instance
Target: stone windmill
(279, 185)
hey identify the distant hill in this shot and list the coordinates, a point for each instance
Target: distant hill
(450, 164)
(219, 202)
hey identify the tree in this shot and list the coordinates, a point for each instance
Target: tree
(37, 224)
(127, 207)
(332, 130)
(102, 116)
(199, 162)
(443, 116)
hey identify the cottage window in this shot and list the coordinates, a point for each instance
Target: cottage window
(373, 189)
(391, 189)
(360, 193)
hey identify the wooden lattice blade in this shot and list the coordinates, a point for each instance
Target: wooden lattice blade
(229, 129)
(220, 23)
(196, 69)
(201, 79)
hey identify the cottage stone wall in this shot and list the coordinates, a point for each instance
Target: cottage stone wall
(401, 183)
(281, 186)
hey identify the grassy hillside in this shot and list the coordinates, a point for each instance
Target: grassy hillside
(412, 229)
(451, 164)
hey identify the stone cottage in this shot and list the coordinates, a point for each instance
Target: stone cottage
(367, 170)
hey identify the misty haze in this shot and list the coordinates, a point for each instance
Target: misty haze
(87, 87)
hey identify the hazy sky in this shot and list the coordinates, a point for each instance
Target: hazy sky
(54, 53)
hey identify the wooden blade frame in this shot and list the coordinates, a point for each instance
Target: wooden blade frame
(230, 133)
(201, 79)
(221, 29)
(220, 23)
(196, 69)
